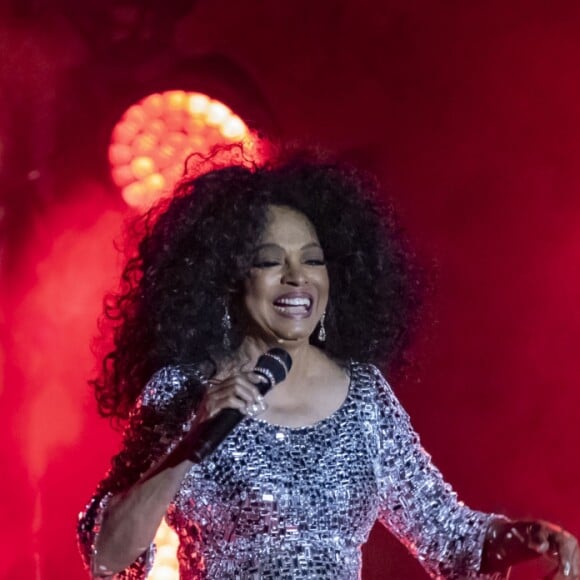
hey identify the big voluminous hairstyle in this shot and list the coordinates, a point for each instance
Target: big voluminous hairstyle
(196, 249)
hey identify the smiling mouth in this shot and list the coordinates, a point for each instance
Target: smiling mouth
(294, 307)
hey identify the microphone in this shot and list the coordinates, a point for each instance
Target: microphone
(274, 365)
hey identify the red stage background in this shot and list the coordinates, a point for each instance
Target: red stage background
(470, 114)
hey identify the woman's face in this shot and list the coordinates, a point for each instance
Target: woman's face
(286, 291)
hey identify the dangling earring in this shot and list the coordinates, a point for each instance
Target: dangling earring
(226, 327)
(322, 330)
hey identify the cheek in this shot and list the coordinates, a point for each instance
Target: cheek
(324, 284)
(257, 288)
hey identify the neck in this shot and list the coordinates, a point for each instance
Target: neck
(301, 352)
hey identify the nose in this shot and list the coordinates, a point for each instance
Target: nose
(294, 274)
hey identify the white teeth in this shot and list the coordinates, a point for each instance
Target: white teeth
(294, 301)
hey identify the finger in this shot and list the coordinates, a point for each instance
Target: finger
(247, 408)
(247, 373)
(245, 391)
(257, 378)
(240, 384)
(230, 401)
(256, 408)
(248, 392)
(539, 537)
(576, 560)
(564, 545)
(562, 552)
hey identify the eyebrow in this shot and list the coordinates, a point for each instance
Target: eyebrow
(276, 246)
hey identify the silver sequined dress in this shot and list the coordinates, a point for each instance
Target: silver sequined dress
(294, 503)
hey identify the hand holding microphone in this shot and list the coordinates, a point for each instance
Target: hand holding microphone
(226, 402)
(239, 390)
(220, 410)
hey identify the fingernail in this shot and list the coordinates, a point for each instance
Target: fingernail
(567, 569)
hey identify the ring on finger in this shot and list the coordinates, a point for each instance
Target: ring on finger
(255, 408)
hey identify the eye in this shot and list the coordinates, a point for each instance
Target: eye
(315, 262)
(265, 264)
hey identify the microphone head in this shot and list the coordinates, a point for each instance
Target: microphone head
(274, 365)
(282, 356)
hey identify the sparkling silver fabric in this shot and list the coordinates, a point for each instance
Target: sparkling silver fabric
(295, 503)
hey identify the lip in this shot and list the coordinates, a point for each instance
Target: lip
(294, 315)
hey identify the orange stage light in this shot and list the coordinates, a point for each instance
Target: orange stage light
(153, 138)
(165, 566)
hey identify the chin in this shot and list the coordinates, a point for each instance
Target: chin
(295, 336)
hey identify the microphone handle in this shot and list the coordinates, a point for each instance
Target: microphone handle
(209, 434)
(201, 441)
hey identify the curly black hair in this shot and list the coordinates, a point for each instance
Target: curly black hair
(196, 250)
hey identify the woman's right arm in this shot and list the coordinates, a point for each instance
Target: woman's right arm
(116, 529)
(132, 519)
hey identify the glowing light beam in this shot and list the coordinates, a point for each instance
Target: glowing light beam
(154, 137)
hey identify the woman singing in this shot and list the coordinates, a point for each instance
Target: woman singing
(300, 255)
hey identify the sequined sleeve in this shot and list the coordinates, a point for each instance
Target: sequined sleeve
(416, 504)
(157, 421)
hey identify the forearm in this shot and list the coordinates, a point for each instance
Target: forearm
(132, 518)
